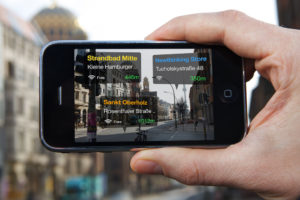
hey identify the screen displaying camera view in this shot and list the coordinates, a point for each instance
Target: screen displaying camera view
(141, 95)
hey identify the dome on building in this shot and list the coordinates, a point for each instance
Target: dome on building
(58, 23)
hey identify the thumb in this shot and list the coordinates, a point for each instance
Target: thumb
(190, 166)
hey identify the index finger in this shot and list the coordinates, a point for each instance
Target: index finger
(245, 36)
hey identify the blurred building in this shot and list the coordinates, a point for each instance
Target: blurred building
(201, 101)
(288, 16)
(72, 170)
(2, 102)
(288, 13)
(260, 96)
(58, 23)
(25, 159)
(201, 96)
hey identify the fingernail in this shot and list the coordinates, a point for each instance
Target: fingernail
(147, 167)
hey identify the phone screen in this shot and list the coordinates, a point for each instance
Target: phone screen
(144, 95)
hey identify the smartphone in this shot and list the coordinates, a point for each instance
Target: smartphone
(120, 96)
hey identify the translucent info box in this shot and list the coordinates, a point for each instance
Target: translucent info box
(190, 68)
(128, 111)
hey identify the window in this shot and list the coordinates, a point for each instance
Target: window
(51, 32)
(61, 33)
(12, 41)
(5, 38)
(11, 71)
(22, 45)
(31, 80)
(21, 141)
(34, 113)
(77, 95)
(84, 97)
(20, 105)
(9, 107)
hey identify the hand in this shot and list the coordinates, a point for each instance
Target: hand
(267, 160)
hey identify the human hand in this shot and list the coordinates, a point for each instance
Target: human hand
(267, 160)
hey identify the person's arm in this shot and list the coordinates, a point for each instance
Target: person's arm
(267, 161)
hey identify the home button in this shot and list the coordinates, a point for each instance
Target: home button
(228, 93)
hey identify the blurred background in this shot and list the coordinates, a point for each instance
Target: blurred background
(30, 172)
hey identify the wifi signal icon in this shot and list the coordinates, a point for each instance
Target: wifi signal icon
(91, 77)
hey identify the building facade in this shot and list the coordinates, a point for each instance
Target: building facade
(2, 111)
(58, 23)
(288, 16)
(201, 97)
(24, 156)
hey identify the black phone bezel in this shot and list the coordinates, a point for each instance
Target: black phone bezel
(57, 131)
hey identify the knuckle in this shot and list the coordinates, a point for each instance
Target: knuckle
(190, 175)
(233, 15)
(189, 178)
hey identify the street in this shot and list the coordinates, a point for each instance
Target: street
(185, 193)
(164, 131)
